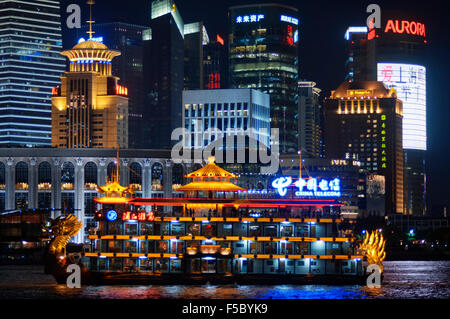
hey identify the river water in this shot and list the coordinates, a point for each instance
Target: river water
(403, 279)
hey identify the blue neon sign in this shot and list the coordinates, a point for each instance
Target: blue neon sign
(111, 215)
(249, 18)
(289, 19)
(96, 39)
(309, 187)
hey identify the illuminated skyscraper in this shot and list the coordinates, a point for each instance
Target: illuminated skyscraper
(163, 74)
(395, 54)
(126, 38)
(30, 43)
(90, 109)
(363, 122)
(264, 55)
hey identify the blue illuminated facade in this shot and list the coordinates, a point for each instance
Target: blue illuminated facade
(30, 66)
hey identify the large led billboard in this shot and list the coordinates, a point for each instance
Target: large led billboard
(410, 83)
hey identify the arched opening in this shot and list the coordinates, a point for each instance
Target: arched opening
(177, 176)
(157, 177)
(21, 176)
(90, 176)
(136, 176)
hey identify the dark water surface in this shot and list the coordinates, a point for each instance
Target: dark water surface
(403, 279)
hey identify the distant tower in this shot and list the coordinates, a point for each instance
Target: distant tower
(90, 109)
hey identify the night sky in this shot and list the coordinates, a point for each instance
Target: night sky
(322, 54)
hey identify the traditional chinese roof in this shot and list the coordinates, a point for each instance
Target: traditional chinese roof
(211, 170)
(211, 186)
(211, 178)
(115, 193)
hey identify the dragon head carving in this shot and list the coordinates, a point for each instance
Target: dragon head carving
(61, 229)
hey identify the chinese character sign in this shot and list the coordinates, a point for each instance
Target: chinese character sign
(249, 18)
(409, 81)
(311, 187)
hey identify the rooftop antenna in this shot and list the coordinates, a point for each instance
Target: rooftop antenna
(90, 21)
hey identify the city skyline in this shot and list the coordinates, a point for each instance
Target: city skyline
(257, 149)
(322, 32)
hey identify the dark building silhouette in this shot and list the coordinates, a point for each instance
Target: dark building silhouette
(163, 74)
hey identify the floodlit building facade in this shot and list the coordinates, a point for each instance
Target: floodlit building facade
(90, 108)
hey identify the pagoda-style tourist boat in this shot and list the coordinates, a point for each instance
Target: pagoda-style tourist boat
(215, 235)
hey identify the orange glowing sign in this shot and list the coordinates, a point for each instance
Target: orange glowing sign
(403, 26)
(220, 40)
(121, 90)
(372, 31)
(140, 216)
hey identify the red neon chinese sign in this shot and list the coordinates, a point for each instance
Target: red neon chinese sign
(290, 36)
(121, 90)
(372, 31)
(140, 216)
(220, 40)
(213, 81)
(397, 26)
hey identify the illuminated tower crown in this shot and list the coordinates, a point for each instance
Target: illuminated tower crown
(90, 55)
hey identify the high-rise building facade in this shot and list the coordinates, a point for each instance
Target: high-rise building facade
(215, 64)
(310, 119)
(163, 74)
(211, 115)
(90, 108)
(126, 38)
(263, 54)
(30, 66)
(363, 122)
(395, 54)
(195, 38)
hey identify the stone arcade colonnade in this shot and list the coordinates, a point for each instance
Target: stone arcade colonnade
(33, 157)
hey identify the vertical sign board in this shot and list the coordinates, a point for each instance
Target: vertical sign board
(409, 80)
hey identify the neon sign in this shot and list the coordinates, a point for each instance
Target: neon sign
(220, 40)
(140, 216)
(97, 39)
(111, 215)
(409, 80)
(289, 19)
(397, 26)
(249, 18)
(309, 187)
(121, 90)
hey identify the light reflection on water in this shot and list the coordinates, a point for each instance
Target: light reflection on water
(403, 279)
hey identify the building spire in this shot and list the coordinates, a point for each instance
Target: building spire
(90, 21)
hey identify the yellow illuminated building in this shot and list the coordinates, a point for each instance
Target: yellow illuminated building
(90, 108)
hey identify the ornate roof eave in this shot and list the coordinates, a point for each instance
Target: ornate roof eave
(90, 54)
(211, 170)
(211, 186)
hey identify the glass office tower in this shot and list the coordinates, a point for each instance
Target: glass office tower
(263, 54)
(163, 74)
(30, 66)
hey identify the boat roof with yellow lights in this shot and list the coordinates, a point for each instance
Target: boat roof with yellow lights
(211, 170)
(211, 186)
